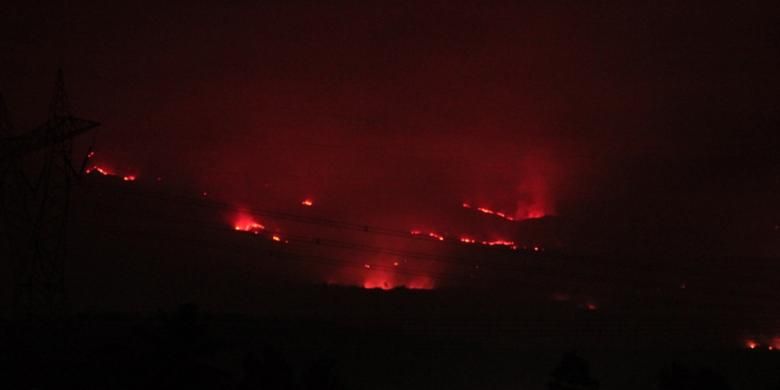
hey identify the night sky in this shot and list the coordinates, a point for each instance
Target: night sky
(645, 128)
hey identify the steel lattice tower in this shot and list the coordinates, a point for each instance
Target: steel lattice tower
(34, 213)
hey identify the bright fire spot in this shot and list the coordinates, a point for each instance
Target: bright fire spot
(536, 248)
(91, 154)
(367, 266)
(395, 264)
(750, 344)
(276, 238)
(128, 178)
(307, 202)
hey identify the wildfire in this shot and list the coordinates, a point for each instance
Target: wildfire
(434, 235)
(506, 243)
(529, 214)
(485, 210)
(100, 170)
(307, 202)
(107, 172)
(389, 282)
(510, 244)
(255, 228)
(247, 224)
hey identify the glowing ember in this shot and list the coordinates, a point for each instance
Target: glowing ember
(750, 344)
(591, 306)
(307, 202)
(468, 240)
(128, 178)
(276, 238)
(395, 264)
(91, 154)
(367, 266)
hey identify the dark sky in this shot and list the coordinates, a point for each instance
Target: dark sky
(649, 127)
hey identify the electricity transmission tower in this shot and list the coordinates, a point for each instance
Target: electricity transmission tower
(36, 175)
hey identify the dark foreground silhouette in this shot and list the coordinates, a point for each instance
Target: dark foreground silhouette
(185, 348)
